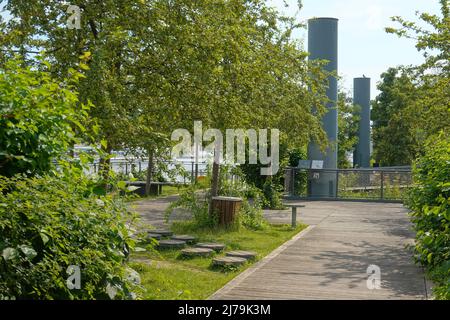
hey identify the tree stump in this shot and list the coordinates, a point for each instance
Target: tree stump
(197, 252)
(227, 209)
(242, 254)
(184, 237)
(228, 261)
(211, 245)
(162, 232)
(171, 244)
(155, 236)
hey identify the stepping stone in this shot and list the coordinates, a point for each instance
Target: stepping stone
(211, 245)
(197, 252)
(171, 244)
(184, 237)
(242, 254)
(162, 232)
(228, 261)
(153, 236)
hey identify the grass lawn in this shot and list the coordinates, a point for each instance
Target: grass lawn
(166, 191)
(165, 275)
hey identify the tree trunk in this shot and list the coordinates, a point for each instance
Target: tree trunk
(214, 180)
(105, 166)
(149, 173)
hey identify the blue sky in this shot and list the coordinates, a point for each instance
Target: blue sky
(364, 46)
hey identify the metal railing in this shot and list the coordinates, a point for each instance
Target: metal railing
(376, 184)
(192, 170)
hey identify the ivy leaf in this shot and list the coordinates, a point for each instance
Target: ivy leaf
(29, 252)
(121, 185)
(9, 254)
(44, 237)
(111, 290)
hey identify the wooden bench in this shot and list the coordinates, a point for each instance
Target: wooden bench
(294, 213)
(155, 186)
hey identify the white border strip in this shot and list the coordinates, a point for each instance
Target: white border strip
(241, 277)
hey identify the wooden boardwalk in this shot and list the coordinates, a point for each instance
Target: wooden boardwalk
(329, 260)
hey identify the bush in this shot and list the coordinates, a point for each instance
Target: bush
(429, 201)
(39, 118)
(48, 223)
(251, 217)
(197, 204)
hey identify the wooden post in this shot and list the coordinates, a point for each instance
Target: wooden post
(214, 178)
(227, 208)
(149, 173)
(294, 217)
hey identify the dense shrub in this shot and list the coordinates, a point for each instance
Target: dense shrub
(196, 203)
(50, 222)
(195, 200)
(429, 201)
(39, 118)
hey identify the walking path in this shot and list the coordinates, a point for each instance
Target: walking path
(328, 260)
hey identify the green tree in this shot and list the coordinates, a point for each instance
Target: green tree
(430, 115)
(429, 109)
(40, 118)
(53, 218)
(348, 119)
(395, 142)
(158, 65)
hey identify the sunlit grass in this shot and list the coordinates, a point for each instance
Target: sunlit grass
(165, 275)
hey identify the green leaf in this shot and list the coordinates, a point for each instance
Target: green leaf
(44, 237)
(121, 185)
(9, 254)
(104, 143)
(29, 252)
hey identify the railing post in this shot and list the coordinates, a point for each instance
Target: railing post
(337, 183)
(382, 185)
(292, 182)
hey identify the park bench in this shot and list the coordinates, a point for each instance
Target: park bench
(294, 207)
(155, 187)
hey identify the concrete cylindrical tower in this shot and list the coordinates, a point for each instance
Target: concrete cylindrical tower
(361, 97)
(323, 44)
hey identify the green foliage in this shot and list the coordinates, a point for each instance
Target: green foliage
(227, 63)
(415, 104)
(395, 142)
(196, 203)
(348, 118)
(251, 217)
(272, 194)
(271, 187)
(39, 120)
(429, 201)
(48, 223)
(233, 184)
